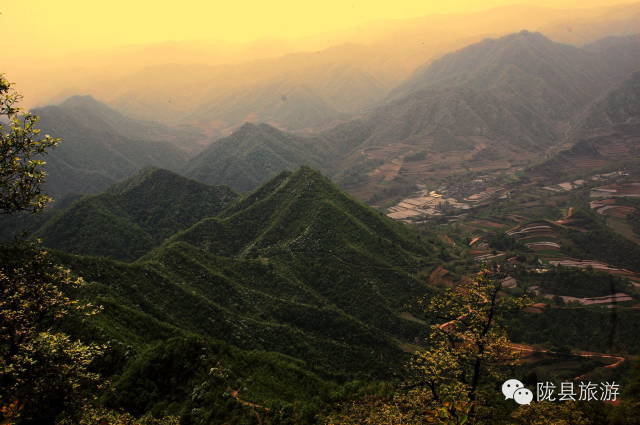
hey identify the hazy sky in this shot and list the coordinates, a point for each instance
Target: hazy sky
(55, 26)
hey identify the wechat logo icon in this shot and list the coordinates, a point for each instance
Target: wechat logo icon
(514, 389)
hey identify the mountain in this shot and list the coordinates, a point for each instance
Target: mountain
(615, 111)
(253, 154)
(619, 55)
(92, 113)
(99, 147)
(304, 220)
(132, 216)
(296, 107)
(492, 105)
(607, 134)
(315, 280)
(299, 91)
(526, 65)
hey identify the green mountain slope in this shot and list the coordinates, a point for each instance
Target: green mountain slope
(252, 155)
(132, 216)
(352, 255)
(297, 268)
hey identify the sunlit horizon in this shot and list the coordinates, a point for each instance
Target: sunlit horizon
(70, 26)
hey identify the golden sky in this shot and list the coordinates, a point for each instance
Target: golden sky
(61, 26)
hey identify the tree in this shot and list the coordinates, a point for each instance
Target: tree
(21, 170)
(468, 347)
(42, 370)
(452, 380)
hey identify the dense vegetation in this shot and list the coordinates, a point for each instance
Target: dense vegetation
(130, 218)
(579, 283)
(600, 242)
(255, 153)
(298, 270)
(584, 329)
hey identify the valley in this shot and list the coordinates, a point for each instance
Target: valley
(375, 232)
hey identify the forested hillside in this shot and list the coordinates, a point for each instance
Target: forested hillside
(296, 267)
(253, 154)
(130, 218)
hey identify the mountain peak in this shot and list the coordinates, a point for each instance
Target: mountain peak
(253, 154)
(254, 128)
(83, 101)
(160, 180)
(522, 60)
(88, 107)
(308, 174)
(135, 215)
(247, 126)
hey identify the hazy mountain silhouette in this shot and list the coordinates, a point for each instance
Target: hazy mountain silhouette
(295, 107)
(606, 134)
(101, 146)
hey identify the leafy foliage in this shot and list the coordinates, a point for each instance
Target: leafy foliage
(311, 279)
(43, 371)
(21, 172)
(468, 347)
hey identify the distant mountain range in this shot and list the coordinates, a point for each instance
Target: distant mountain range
(494, 104)
(607, 134)
(101, 146)
(296, 107)
(516, 89)
(302, 91)
(348, 71)
(500, 101)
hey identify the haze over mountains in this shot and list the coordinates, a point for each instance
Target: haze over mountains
(348, 71)
(102, 146)
(495, 102)
(500, 99)
(263, 234)
(605, 134)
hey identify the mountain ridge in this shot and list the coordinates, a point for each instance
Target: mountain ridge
(141, 210)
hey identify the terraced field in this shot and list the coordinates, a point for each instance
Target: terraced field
(533, 231)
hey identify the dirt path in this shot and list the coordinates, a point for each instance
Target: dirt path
(618, 360)
(585, 354)
(236, 395)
